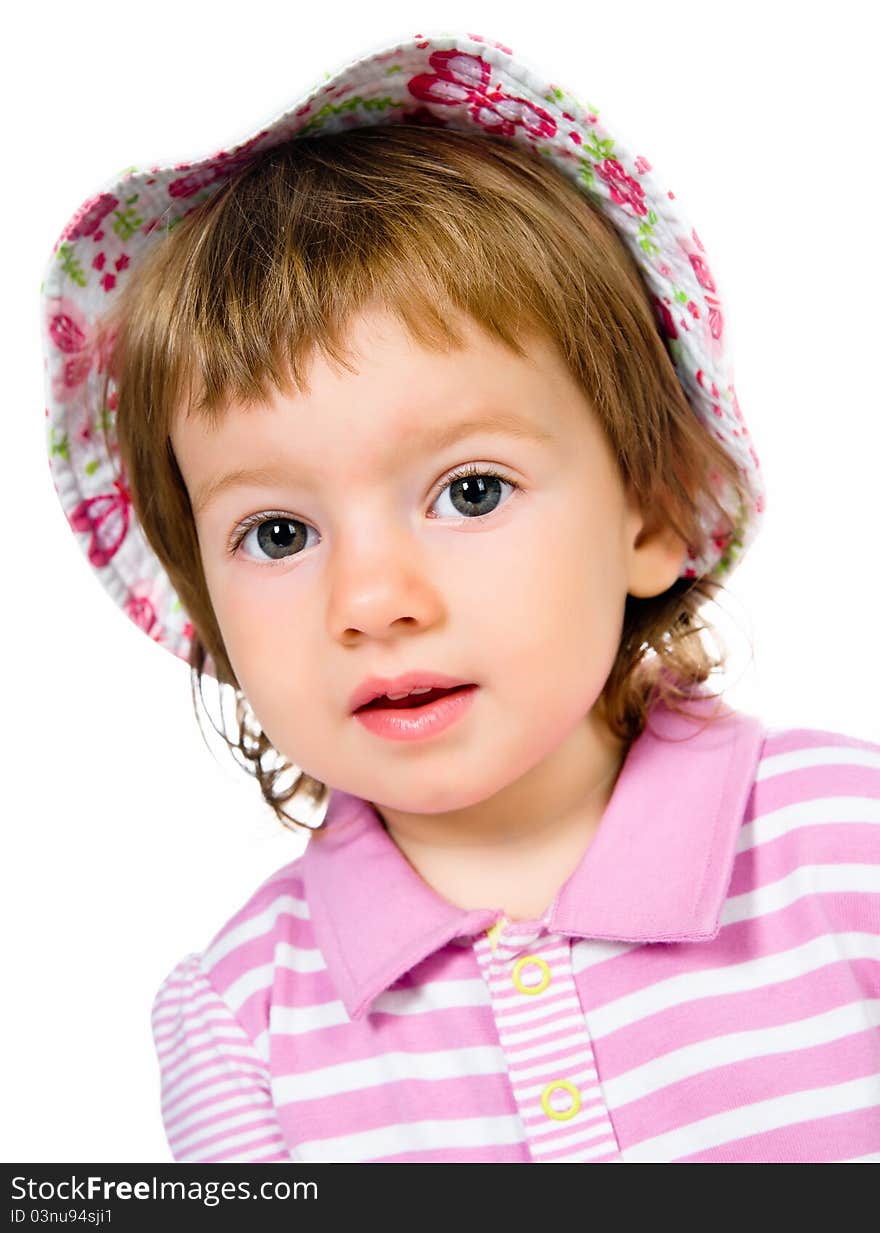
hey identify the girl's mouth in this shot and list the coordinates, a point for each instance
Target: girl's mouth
(418, 717)
(412, 700)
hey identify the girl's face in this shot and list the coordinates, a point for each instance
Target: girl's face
(368, 561)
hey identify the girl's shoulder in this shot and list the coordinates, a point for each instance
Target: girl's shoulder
(815, 787)
(275, 910)
(791, 749)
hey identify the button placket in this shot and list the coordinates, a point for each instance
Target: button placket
(546, 1042)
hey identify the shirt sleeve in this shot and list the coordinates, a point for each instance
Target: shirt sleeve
(216, 1094)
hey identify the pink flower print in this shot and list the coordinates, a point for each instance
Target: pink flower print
(221, 165)
(70, 333)
(108, 282)
(105, 519)
(623, 188)
(140, 610)
(463, 79)
(99, 261)
(702, 271)
(70, 376)
(68, 328)
(89, 217)
(664, 318)
(716, 318)
(641, 164)
(697, 241)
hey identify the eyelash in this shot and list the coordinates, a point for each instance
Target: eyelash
(463, 472)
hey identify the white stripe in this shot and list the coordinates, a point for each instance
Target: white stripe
(718, 1052)
(804, 880)
(686, 987)
(584, 1080)
(228, 1055)
(522, 1073)
(601, 1149)
(193, 1042)
(574, 1020)
(448, 1133)
(573, 1041)
(187, 1027)
(758, 1118)
(560, 1003)
(229, 1122)
(227, 1146)
(244, 1101)
(252, 981)
(254, 927)
(386, 1068)
(212, 1082)
(815, 811)
(816, 755)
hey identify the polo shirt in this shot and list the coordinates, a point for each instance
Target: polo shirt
(705, 986)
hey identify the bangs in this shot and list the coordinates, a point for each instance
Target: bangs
(247, 287)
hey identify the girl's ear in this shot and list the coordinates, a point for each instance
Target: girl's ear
(656, 552)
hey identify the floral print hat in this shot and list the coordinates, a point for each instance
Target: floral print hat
(460, 81)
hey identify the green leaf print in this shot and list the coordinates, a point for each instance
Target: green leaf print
(91, 467)
(352, 104)
(58, 446)
(128, 220)
(599, 149)
(70, 265)
(586, 173)
(646, 240)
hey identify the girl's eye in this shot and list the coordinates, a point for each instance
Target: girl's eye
(472, 492)
(272, 536)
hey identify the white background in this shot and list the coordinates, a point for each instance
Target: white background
(127, 842)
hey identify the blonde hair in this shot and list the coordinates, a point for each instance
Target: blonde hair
(428, 222)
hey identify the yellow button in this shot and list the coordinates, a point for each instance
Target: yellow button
(542, 983)
(557, 1114)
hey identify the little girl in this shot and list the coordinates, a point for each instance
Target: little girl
(409, 422)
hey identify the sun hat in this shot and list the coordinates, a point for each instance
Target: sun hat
(459, 81)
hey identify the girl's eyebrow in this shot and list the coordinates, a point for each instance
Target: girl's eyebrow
(500, 422)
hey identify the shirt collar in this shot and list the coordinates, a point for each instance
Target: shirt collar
(657, 870)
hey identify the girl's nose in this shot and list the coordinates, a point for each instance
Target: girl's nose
(378, 588)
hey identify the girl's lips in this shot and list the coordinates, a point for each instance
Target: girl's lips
(422, 698)
(416, 678)
(417, 723)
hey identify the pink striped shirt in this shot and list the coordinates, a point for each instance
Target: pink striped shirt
(704, 987)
